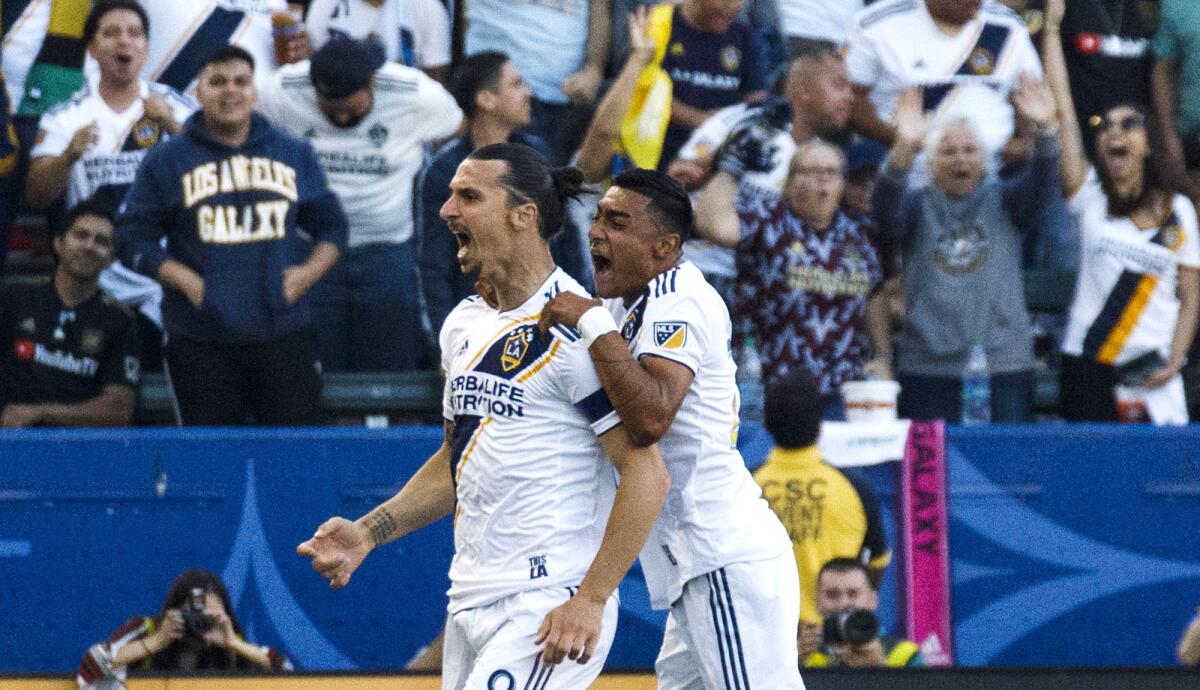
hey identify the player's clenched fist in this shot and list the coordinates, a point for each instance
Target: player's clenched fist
(336, 549)
(571, 630)
(565, 308)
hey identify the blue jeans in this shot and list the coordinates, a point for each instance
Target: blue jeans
(367, 310)
(937, 397)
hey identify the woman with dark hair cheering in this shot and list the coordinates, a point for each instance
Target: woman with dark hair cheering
(1136, 298)
(195, 631)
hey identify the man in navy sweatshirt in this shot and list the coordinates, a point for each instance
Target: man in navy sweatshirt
(250, 226)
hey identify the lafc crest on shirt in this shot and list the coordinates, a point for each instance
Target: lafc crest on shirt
(670, 335)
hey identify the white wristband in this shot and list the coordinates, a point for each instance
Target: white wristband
(594, 323)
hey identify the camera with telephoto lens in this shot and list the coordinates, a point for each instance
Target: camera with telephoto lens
(850, 626)
(195, 621)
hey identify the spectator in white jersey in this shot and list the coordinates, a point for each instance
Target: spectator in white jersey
(369, 122)
(966, 55)
(186, 31)
(92, 144)
(718, 558)
(411, 32)
(535, 569)
(1137, 295)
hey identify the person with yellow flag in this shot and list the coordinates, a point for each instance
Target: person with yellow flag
(704, 59)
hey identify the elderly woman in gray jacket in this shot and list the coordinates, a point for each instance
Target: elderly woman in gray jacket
(960, 237)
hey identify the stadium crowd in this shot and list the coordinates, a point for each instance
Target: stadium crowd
(873, 182)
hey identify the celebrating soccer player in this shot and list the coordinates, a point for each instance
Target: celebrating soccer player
(717, 557)
(538, 555)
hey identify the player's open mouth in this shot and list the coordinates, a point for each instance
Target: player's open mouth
(464, 243)
(601, 265)
(124, 59)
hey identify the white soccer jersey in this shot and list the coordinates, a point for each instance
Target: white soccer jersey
(826, 20)
(183, 32)
(714, 515)
(370, 166)
(703, 143)
(534, 488)
(108, 168)
(895, 45)
(413, 32)
(1125, 303)
(122, 139)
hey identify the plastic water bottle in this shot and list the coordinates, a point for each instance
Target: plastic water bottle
(749, 382)
(977, 388)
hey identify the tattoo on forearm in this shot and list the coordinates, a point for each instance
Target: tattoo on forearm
(381, 525)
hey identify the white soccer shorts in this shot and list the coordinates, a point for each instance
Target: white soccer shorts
(491, 647)
(735, 629)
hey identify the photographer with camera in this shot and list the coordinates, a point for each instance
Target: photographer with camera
(195, 631)
(849, 634)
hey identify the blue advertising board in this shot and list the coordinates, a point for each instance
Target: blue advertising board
(1069, 545)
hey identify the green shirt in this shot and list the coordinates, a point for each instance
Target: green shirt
(1178, 40)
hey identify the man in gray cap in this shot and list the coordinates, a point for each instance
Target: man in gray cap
(368, 121)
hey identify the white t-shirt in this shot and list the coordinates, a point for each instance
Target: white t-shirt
(827, 20)
(122, 140)
(704, 141)
(534, 488)
(413, 32)
(370, 166)
(714, 515)
(1125, 303)
(895, 45)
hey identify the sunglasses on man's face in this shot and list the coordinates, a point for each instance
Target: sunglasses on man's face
(1127, 123)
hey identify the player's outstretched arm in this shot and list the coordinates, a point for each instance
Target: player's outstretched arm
(572, 630)
(646, 395)
(339, 546)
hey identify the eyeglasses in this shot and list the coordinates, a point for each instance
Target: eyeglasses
(819, 172)
(1127, 123)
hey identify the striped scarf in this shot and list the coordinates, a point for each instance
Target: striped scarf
(57, 72)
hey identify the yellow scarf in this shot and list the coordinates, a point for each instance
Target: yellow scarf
(649, 113)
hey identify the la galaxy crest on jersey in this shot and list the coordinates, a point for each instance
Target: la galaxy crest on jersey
(146, 133)
(670, 335)
(515, 347)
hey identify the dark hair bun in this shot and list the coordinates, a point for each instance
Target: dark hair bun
(568, 181)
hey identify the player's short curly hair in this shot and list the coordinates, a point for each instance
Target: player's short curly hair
(668, 200)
